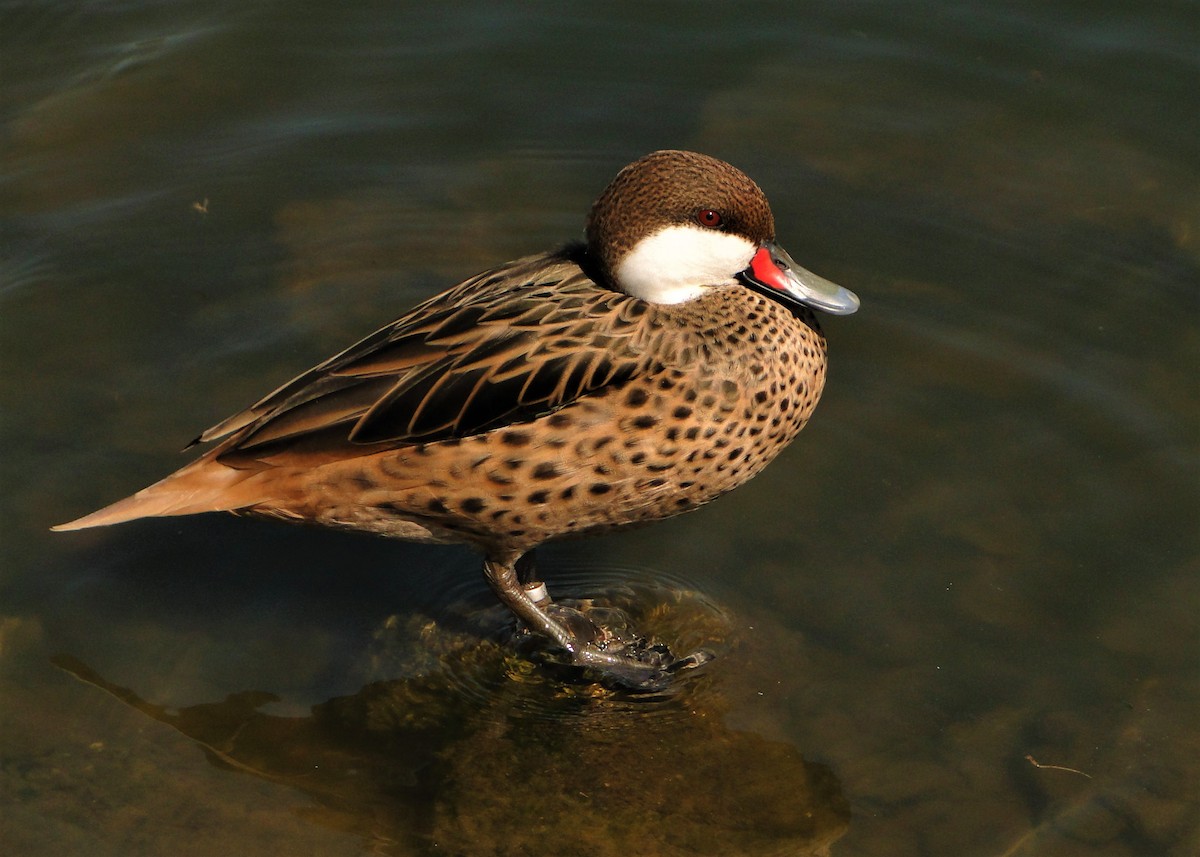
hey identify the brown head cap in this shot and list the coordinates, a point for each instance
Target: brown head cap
(670, 187)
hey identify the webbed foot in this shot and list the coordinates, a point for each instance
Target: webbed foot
(610, 650)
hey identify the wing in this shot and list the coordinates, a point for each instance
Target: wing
(505, 347)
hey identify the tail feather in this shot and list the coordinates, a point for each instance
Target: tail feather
(199, 487)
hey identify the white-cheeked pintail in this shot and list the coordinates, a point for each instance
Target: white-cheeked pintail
(638, 375)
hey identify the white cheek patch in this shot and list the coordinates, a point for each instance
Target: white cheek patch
(678, 263)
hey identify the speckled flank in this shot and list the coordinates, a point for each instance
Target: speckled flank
(731, 386)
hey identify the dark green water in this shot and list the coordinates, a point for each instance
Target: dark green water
(981, 560)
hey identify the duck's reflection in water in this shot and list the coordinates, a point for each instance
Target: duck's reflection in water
(486, 753)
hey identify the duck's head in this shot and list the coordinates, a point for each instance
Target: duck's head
(675, 224)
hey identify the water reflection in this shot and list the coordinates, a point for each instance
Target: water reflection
(486, 753)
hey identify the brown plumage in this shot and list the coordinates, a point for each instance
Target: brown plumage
(535, 401)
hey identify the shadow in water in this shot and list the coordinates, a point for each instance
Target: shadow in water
(485, 752)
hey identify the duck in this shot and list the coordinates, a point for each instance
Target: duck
(630, 377)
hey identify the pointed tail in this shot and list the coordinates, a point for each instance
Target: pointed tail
(202, 486)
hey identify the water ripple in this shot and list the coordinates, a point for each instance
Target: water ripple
(469, 648)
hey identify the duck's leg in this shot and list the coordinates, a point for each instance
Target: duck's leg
(578, 625)
(527, 576)
(514, 580)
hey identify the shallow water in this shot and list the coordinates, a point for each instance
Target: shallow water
(958, 617)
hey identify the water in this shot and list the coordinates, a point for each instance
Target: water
(978, 562)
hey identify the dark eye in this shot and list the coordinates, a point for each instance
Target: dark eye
(709, 218)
